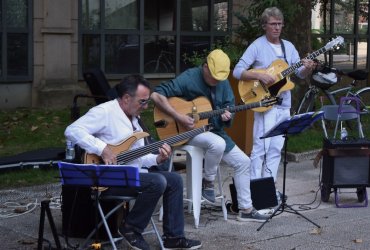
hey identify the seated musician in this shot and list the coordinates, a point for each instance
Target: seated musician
(111, 123)
(210, 81)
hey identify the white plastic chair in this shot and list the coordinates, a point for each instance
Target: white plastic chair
(194, 173)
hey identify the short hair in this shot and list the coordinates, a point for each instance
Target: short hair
(129, 84)
(271, 12)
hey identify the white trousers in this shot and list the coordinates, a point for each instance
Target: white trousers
(214, 147)
(266, 153)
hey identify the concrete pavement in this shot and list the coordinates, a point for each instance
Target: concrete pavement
(340, 228)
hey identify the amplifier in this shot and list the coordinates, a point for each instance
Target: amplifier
(79, 213)
(346, 163)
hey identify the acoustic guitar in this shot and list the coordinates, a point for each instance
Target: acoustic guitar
(200, 109)
(253, 90)
(126, 155)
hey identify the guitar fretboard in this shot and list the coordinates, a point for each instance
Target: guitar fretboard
(211, 113)
(292, 68)
(135, 153)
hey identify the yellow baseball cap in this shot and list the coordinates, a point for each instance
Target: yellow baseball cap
(218, 64)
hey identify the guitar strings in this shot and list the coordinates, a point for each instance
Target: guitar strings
(133, 154)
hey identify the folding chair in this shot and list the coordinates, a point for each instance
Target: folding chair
(101, 177)
(336, 151)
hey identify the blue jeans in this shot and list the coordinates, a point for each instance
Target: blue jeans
(153, 186)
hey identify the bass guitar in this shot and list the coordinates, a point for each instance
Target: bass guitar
(126, 155)
(200, 109)
(253, 90)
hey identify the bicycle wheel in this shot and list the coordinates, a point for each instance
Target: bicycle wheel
(364, 96)
(307, 103)
(155, 66)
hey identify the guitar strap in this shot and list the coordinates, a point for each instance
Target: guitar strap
(149, 139)
(283, 49)
(213, 96)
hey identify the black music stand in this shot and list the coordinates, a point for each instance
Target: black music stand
(99, 176)
(294, 125)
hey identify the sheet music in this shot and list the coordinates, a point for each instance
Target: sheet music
(294, 125)
(98, 175)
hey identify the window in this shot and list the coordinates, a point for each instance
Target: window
(15, 35)
(148, 36)
(346, 18)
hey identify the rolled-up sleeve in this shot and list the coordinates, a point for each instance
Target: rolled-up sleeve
(82, 132)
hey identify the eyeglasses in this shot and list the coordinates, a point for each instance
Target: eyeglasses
(144, 102)
(276, 25)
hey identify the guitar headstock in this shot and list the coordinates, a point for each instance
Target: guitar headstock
(335, 43)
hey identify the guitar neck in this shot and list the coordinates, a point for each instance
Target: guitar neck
(133, 154)
(292, 68)
(211, 113)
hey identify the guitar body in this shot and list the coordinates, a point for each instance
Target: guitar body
(254, 91)
(121, 147)
(170, 126)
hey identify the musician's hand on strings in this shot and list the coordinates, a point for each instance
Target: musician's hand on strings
(308, 64)
(186, 121)
(164, 153)
(267, 79)
(109, 158)
(226, 116)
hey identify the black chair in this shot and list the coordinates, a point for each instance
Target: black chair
(99, 87)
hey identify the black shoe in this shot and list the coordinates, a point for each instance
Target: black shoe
(135, 240)
(181, 243)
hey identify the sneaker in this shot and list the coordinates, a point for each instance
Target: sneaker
(279, 196)
(252, 216)
(181, 243)
(135, 240)
(208, 191)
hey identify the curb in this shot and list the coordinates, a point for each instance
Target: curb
(291, 157)
(297, 157)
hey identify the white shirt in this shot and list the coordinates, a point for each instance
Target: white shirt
(107, 124)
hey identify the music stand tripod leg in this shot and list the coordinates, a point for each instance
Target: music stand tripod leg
(283, 204)
(45, 208)
(293, 211)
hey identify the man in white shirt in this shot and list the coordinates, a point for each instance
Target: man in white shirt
(111, 123)
(266, 153)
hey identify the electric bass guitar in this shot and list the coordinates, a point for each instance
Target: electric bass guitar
(126, 155)
(200, 109)
(253, 90)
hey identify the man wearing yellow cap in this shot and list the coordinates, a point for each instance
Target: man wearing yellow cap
(210, 80)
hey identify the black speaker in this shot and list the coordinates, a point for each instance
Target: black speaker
(263, 194)
(79, 213)
(346, 163)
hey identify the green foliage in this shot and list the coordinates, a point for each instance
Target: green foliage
(28, 177)
(31, 129)
(248, 29)
(28, 129)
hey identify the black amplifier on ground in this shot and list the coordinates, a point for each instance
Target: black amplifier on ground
(79, 213)
(346, 163)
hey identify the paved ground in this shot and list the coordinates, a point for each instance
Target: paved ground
(341, 228)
